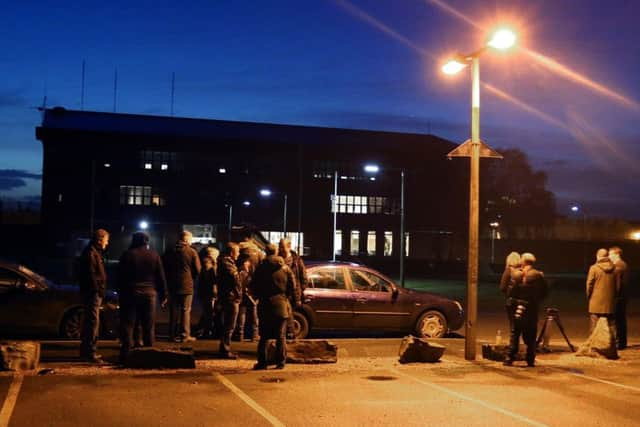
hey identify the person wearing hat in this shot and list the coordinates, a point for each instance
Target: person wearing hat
(528, 290)
(141, 281)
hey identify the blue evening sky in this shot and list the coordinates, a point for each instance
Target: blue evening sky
(355, 64)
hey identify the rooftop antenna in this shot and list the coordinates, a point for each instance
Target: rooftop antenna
(115, 89)
(82, 87)
(173, 87)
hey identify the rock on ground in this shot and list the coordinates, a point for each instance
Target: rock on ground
(414, 349)
(19, 355)
(601, 342)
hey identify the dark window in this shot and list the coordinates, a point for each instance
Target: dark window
(365, 281)
(327, 278)
(158, 160)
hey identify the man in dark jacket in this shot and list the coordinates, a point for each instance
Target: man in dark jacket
(93, 283)
(622, 271)
(295, 263)
(529, 288)
(229, 296)
(140, 281)
(182, 266)
(273, 285)
(603, 287)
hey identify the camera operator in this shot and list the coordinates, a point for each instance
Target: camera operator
(529, 288)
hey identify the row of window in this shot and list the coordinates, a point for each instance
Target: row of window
(362, 205)
(371, 246)
(141, 195)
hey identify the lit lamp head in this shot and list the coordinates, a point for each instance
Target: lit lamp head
(265, 192)
(453, 66)
(635, 236)
(494, 224)
(575, 208)
(143, 225)
(371, 168)
(246, 203)
(502, 39)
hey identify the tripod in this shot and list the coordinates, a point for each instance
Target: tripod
(553, 314)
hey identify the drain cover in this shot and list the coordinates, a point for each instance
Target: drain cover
(272, 380)
(381, 378)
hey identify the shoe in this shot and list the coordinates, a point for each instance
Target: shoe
(508, 362)
(280, 366)
(531, 364)
(189, 339)
(259, 367)
(94, 358)
(230, 356)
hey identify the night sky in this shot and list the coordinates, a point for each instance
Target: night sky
(569, 96)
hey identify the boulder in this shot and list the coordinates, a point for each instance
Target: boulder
(19, 355)
(156, 358)
(306, 351)
(601, 342)
(415, 349)
(498, 352)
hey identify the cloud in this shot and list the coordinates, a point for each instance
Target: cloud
(15, 178)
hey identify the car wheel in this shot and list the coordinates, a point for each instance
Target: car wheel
(300, 325)
(431, 324)
(71, 326)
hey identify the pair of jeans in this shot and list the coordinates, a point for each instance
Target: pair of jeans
(277, 329)
(91, 324)
(138, 305)
(252, 309)
(230, 311)
(180, 316)
(205, 325)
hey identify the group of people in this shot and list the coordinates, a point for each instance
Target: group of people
(241, 282)
(525, 287)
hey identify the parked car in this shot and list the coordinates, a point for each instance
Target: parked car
(31, 305)
(345, 296)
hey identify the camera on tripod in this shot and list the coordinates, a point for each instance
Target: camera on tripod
(551, 311)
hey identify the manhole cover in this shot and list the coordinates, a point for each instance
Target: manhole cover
(271, 380)
(381, 378)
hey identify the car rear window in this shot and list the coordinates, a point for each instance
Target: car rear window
(327, 278)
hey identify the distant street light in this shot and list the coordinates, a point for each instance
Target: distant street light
(371, 168)
(265, 192)
(502, 39)
(580, 209)
(494, 230)
(143, 225)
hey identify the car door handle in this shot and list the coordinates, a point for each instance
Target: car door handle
(308, 298)
(362, 300)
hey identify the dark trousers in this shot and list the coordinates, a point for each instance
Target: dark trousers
(205, 325)
(139, 304)
(229, 316)
(621, 323)
(91, 324)
(180, 316)
(277, 328)
(526, 326)
(250, 308)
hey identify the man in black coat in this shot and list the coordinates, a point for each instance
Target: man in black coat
(273, 285)
(229, 296)
(141, 281)
(529, 288)
(622, 273)
(93, 283)
(182, 266)
(295, 263)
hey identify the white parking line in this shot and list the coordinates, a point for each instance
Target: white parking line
(473, 400)
(246, 399)
(596, 379)
(10, 400)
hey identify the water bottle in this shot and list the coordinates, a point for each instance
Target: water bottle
(499, 337)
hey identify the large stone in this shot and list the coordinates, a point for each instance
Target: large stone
(498, 352)
(19, 355)
(601, 342)
(414, 349)
(306, 351)
(156, 358)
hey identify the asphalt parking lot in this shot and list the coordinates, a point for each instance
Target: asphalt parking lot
(366, 387)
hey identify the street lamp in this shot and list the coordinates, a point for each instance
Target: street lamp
(143, 225)
(494, 230)
(245, 203)
(371, 168)
(580, 209)
(265, 192)
(501, 39)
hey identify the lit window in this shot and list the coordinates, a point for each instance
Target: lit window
(337, 242)
(164, 166)
(406, 244)
(371, 243)
(388, 243)
(148, 165)
(355, 242)
(139, 195)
